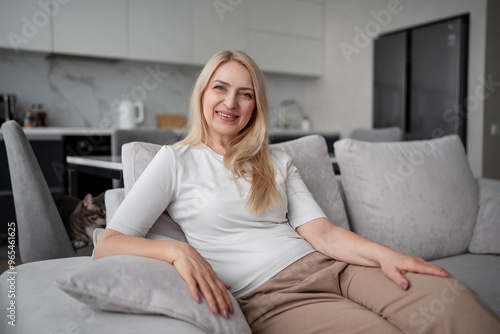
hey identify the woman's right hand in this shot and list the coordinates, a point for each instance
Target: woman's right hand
(199, 276)
(191, 266)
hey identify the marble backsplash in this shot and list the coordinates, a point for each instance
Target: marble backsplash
(83, 91)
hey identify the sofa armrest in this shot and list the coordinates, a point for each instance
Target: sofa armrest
(487, 229)
(112, 199)
(488, 189)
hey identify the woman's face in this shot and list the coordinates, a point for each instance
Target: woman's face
(228, 101)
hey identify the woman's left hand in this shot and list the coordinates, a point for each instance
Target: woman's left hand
(344, 245)
(396, 264)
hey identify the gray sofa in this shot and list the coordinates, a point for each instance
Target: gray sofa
(417, 197)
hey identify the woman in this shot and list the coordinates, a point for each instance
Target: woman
(251, 223)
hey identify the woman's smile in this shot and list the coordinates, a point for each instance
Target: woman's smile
(226, 116)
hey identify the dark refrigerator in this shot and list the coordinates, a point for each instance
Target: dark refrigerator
(420, 80)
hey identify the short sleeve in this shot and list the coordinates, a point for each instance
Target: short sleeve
(148, 197)
(302, 207)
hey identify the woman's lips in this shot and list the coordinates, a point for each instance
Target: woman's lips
(226, 116)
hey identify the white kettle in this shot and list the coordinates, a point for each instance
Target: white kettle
(130, 114)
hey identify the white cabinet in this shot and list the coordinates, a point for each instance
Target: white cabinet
(26, 25)
(91, 27)
(285, 54)
(217, 25)
(283, 36)
(290, 17)
(160, 30)
(286, 36)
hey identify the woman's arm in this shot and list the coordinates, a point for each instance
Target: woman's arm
(191, 266)
(344, 245)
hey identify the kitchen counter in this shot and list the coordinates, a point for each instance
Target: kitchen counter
(53, 132)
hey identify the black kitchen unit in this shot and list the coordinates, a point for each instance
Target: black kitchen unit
(420, 79)
(85, 146)
(51, 151)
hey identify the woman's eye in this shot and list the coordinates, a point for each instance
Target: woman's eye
(247, 95)
(218, 87)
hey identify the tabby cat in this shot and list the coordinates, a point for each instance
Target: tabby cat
(81, 217)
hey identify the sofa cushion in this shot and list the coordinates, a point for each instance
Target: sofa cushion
(132, 284)
(418, 197)
(480, 272)
(309, 154)
(486, 236)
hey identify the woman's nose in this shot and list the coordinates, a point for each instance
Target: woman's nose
(230, 101)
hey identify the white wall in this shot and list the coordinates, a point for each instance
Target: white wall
(342, 99)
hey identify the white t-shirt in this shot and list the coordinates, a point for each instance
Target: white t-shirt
(192, 184)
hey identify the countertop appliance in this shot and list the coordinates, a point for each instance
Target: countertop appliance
(131, 113)
(7, 107)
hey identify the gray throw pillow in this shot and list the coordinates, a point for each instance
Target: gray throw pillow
(141, 285)
(418, 197)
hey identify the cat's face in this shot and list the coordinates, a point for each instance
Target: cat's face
(97, 216)
(94, 211)
(89, 214)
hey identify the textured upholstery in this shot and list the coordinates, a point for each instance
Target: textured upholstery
(113, 198)
(140, 285)
(480, 272)
(486, 236)
(377, 135)
(418, 197)
(41, 231)
(135, 158)
(310, 156)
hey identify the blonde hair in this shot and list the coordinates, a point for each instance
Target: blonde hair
(248, 155)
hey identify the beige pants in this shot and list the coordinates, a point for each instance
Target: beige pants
(319, 295)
